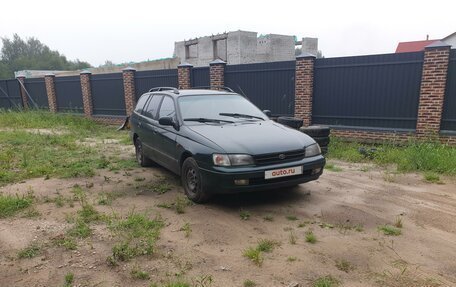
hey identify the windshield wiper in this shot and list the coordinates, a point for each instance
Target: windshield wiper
(236, 115)
(206, 120)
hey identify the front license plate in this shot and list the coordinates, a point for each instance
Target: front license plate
(281, 172)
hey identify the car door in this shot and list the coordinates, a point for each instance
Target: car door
(149, 126)
(166, 148)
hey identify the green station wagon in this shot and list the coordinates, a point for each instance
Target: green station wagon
(217, 141)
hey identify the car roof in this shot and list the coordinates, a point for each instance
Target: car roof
(192, 92)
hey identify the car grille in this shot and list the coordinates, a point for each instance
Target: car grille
(279, 157)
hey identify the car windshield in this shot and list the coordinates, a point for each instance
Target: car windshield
(220, 107)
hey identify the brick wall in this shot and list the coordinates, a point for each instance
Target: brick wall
(86, 93)
(50, 91)
(183, 75)
(217, 73)
(304, 87)
(433, 83)
(128, 75)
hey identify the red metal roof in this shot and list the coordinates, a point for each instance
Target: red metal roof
(413, 46)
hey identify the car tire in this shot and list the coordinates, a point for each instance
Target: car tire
(142, 159)
(322, 141)
(290, 121)
(192, 182)
(316, 131)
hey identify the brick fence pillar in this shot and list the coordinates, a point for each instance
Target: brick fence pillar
(217, 73)
(86, 93)
(128, 75)
(184, 71)
(50, 91)
(24, 98)
(432, 92)
(304, 87)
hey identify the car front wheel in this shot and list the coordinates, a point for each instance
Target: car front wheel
(192, 182)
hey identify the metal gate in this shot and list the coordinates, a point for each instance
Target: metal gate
(69, 94)
(36, 88)
(108, 94)
(145, 80)
(377, 91)
(10, 94)
(270, 86)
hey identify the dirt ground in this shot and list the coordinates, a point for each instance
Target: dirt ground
(343, 209)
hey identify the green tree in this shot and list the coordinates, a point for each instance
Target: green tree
(30, 54)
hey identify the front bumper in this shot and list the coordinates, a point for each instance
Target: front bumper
(222, 179)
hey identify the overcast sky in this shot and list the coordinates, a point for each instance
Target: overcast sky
(124, 31)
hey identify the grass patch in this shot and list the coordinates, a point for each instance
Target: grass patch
(244, 215)
(292, 238)
(29, 252)
(291, 217)
(10, 205)
(310, 237)
(344, 265)
(66, 242)
(255, 253)
(326, 281)
(292, 258)
(432, 177)
(68, 280)
(249, 283)
(398, 222)
(421, 156)
(136, 273)
(332, 167)
(179, 205)
(187, 229)
(138, 236)
(268, 217)
(389, 230)
(80, 229)
(29, 153)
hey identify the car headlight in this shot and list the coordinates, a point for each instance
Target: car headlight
(232, 159)
(313, 150)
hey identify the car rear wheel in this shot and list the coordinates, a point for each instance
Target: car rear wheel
(192, 182)
(140, 157)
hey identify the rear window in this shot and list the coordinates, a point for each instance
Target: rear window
(152, 107)
(141, 102)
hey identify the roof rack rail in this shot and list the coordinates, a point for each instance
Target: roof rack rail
(159, 89)
(214, 87)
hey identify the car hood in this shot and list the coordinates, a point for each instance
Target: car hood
(253, 138)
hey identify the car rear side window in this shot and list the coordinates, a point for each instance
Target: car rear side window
(141, 102)
(152, 107)
(167, 108)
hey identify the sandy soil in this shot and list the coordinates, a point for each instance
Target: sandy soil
(359, 195)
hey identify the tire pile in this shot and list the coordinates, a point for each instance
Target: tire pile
(319, 133)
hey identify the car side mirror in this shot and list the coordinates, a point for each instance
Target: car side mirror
(168, 121)
(267, 112)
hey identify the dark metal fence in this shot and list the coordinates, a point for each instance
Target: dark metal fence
(270, 86)
(69, 94)
(449, 106)
(10, 94)
(36, 88)
(377, 91)
(145, 80)
(108, 94)
(200, 77)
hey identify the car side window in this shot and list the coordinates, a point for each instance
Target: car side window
(152, 107)
(141, 102)
(167, 108)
